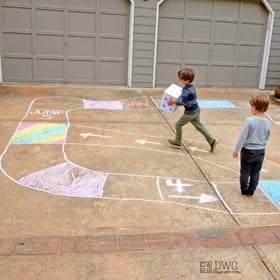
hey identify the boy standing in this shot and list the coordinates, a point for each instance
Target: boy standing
(252, 142)
(188, 99)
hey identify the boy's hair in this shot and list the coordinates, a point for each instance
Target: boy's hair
(260, 101)
(186, 74)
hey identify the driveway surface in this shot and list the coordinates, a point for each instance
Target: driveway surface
(91, 189)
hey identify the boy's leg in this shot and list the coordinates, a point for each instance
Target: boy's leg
(255, 171)
(199, 126)
(245, 170)
(179, 124)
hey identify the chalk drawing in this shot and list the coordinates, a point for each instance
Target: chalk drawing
(138, 104)
(203, 198)
(46, 113)
(40, 133)
(68, 178)
(272, 190)
(144, 141)
(177, 185)
(86, 135)
(217, 104)
(108, 105)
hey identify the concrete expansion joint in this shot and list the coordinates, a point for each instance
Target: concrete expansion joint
(87, 244)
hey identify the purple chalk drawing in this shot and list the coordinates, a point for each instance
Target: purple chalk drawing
(112, 105)
(67, 179)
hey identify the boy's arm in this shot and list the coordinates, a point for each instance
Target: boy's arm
(182, 100)
(242, 138)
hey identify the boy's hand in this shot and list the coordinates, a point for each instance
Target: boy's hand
(235, 155)
(171, 102)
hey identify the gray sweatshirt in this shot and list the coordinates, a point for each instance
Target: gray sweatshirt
(254, 134)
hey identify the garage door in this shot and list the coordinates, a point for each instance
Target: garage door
(65, 41)
(221, 39)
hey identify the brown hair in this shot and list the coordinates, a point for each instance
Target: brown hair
(186, 74)
(260, 101)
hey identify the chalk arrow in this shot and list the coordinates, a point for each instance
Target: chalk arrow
(203, 198)
(86, 135)
(143, 142)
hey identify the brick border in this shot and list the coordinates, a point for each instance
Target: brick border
(57, 245)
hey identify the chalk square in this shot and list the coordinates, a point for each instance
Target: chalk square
(272, 190)
(215, 104)
(173, 91)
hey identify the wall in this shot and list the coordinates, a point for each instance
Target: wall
(143, 43)
(273, 71)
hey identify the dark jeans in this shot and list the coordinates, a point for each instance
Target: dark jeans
(250, 166)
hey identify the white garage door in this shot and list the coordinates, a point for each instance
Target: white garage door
(222, 40)
(65, 40)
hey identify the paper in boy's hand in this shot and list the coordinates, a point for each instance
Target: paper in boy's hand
(172, 92)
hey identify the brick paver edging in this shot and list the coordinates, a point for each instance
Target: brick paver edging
(53, 245)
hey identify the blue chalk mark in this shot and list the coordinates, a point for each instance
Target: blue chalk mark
(215, 104)
(272, 190)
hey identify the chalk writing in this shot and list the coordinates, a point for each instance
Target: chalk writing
(137, 103)
(46, 113)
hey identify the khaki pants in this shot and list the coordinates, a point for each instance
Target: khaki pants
(195, 121)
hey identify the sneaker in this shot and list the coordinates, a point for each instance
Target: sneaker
(250, 193)
(244, 192)
(214, 145)
(174, 143)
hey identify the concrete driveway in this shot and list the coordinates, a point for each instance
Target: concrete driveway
(90, 188)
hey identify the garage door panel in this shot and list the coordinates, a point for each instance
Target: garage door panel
(114, 5)
(166, 54)
(176, 9)
(226, 10)
(81, 71)
(222, 75)
(50, 3)
(48, 45)
(18, 67)
(17, 45)
(202, 69)
(111, 72)
(22, 16)
(85, 4)
(251, 33)
(248, 54)
(171, 28)
(225, 31)
(16, 2)
(199, 30)
(252, 10)
(50, 21)
(197, 52)
(223, 53)
(49, 70)
(247, 76)
(200, 8)
(81, 47)
(112, 48)
(113, 24)
(82, 23)
(167, 72)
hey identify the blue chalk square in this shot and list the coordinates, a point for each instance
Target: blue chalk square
(272, 190)
(208, 104)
